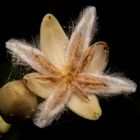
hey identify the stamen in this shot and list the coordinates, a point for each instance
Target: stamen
(86, 58)
(48, 66)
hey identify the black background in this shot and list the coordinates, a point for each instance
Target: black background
(119, 26)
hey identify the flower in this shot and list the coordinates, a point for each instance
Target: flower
(69, 72)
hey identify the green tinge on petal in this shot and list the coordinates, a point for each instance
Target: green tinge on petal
(90, 110)
(4, 127)
(53, 40)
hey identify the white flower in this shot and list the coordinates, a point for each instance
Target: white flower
(69, 72)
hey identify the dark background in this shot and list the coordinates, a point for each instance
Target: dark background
(118, 25)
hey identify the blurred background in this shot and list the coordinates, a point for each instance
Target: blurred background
(118, 26)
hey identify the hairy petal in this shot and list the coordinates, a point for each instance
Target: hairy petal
(53, 40)
(106, 85)
(52, 106)
(85, 26)
(31, 56)
(81, 37)
(39, 84)
(98, 58)
(90, 110)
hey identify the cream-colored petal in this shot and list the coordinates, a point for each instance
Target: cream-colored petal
(99, 59)
(37, 84)
(53, 40)
(90, 110)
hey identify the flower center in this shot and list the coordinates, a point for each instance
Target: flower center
(64, 70)
(68, 77)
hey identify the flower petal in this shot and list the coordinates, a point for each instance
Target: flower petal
(106, 85)
(81, 37)
(4, 127)
(99, 58)
(52, 106)
(53, 40)
(31, 56)
(90, 110)
(39, 85)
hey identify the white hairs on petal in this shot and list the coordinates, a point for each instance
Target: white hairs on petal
(49, 110)
(86, 25)
(115, 85)
(25, 52)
